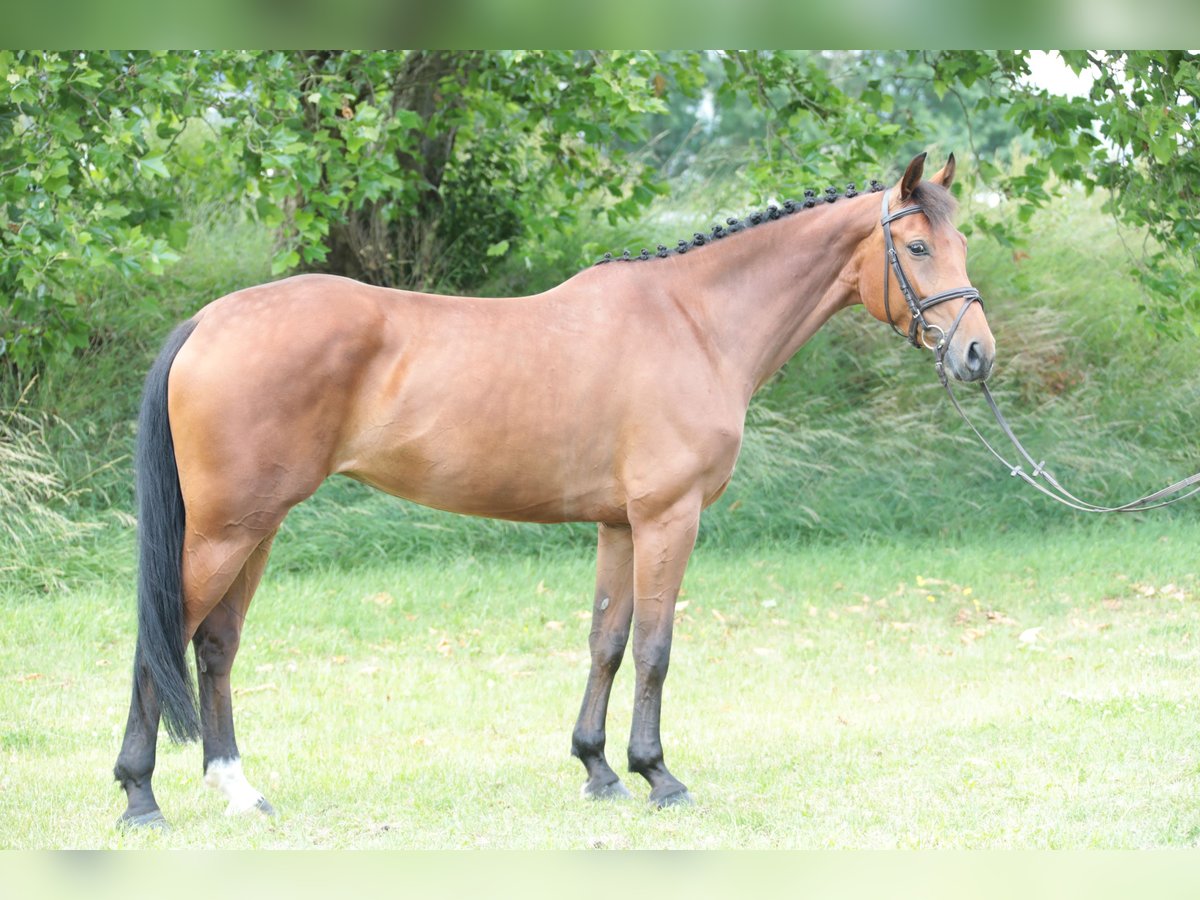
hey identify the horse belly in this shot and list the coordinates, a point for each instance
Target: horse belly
(480, 484)
(486, 465)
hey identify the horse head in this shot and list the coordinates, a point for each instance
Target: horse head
(913, 274)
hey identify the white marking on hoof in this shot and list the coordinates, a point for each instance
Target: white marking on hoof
(226, 776)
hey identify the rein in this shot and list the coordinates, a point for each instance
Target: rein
(918, 330)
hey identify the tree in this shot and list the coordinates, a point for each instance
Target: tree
(422, 168)
(84, 184)
(426, 163)
(1133, 136)
(411, 168)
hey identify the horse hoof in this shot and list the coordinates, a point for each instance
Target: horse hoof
(671, 796)
(614, 790)
(153, 820)
(261, 806)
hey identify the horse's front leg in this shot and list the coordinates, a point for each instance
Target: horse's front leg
(612, 612)
(662, 545)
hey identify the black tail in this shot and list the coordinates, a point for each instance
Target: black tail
(161, 656)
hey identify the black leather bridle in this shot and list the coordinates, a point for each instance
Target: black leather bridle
(919, 330)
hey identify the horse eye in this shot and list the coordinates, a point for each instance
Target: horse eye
(918, 248)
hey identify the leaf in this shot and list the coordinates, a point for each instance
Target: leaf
(284, 261)
(153, 165)
(112, 210)
(497, 249)
(257, 689)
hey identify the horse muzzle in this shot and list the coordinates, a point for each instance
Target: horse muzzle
(970, 359)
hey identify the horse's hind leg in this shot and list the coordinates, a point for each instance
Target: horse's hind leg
(135, 763)
(216, 643)
(612, 612)
(210, 568)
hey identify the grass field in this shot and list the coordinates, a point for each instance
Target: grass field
(1006, 674)
(1020, 690)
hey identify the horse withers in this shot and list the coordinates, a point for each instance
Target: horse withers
(618, 397)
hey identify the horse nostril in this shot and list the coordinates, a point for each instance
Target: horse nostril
(974, 357)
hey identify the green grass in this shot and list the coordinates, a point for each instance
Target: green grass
(410, 678)
(840, 694)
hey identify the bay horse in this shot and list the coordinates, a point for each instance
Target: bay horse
(618, 397)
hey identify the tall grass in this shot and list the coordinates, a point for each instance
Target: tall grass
(35, 504)
(852, 438)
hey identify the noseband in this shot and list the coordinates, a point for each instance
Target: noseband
(919, 328)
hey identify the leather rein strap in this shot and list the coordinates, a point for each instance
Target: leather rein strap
(919, 330)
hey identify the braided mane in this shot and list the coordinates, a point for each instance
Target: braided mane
(732, 225)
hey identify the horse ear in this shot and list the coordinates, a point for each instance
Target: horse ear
(945, 177)
(912, 176)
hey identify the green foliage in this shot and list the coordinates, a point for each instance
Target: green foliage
(814, 125)
(85, 142)
(1132, 136)
(427, 169)
(424, 165)
(850, 115)
(35, 503)
(396, 167)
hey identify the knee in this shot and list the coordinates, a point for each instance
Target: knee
(608, 649)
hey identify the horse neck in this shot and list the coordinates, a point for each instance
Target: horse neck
(766, 291)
